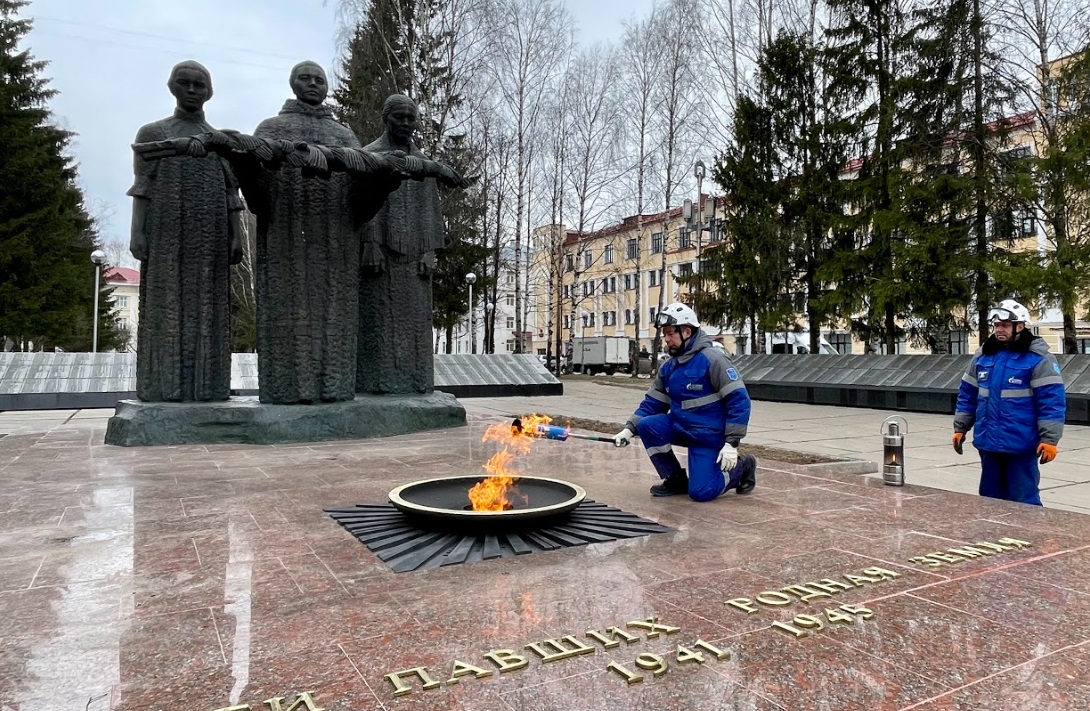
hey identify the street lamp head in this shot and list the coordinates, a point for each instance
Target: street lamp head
(471, 278)
(98, 257)
(699, 170)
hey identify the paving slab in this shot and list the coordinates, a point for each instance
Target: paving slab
(209, 577)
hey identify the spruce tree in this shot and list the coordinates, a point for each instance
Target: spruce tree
(46, 235)
(396, 48)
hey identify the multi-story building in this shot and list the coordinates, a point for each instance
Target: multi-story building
(608, 282)
(504, 308)
(125, 290)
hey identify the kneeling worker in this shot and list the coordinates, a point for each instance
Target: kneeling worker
(697, 401)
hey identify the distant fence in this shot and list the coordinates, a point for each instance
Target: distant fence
(915, 383)
(66, 381)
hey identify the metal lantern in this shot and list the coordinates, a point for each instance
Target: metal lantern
(893, 450)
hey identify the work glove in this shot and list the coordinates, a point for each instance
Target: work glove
(1047, 452)
(728, 457)
(623, 438)
(958, 440)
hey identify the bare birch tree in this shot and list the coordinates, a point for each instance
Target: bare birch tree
(530, 39)
(642, 71)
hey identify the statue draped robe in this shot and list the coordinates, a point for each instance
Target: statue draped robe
(395, 303)
(184, 334)
(308, 250)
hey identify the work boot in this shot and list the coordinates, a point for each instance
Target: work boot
(748, 480)
(676, 483)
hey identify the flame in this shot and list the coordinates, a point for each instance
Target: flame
(494, 492)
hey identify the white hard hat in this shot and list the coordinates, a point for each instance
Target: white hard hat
(1009, 310)
(676, 314)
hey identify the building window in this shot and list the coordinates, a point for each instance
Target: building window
(653, 277)
(588, 259)
(585, 321)
(510, 322)
(627, 316)
(656, 243)
(685, 270)
(569, 262)
(652, 315)
(607, 254)
(510, 278)
(716, 233)
(123, 323)
(630, 248)
(567, 322)
(628, 282)
(1082, 345)
(510, 299)
(957, 342)
(842, 342)
(510, 345)
(122, 302)
(684, 238)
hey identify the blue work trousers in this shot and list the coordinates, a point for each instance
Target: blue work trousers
(1013, 477)
(660, 434)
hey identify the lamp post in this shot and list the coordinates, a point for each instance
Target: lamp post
(471, 279)
(98, 257)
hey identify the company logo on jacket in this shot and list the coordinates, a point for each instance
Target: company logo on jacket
(1014, 381)
(981, 375)
(694, 386)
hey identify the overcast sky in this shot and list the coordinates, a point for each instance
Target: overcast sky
(110, 59)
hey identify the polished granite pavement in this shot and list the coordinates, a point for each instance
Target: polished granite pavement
(204, 578)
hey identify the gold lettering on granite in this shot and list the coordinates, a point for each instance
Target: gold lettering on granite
(629, 676)
(968, 552)
(804, 592)
(306, 697)
(711, 649)
(803, 625)
(684, 655)
(991, 546)
(652, 627)
(785, 627)
(508, 660)
(952, 556)
(808, 622)
(574, 648)
(240, 707)
(653, 663)
(744, 604)
(773, 598)
(461, 669)
(612, 641)
(838, 617)
(401, 688)
(831, 586)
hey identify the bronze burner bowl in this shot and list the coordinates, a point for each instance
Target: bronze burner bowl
(445, 502)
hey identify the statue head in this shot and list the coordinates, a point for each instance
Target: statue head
(191, 84)
(308, 81)
(399, 114)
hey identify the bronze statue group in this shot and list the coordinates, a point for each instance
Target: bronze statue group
(345, 248)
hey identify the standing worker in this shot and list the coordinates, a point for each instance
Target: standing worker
(1012, 397)
(699, 402)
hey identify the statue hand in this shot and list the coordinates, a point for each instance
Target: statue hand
(195, 149)
(427, 264)
(396, 163)
(138, 246)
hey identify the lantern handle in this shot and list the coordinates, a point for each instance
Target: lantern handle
(892, 419)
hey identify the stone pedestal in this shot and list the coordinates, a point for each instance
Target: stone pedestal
(246, 420)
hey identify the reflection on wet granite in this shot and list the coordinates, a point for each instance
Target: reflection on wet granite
(208, 577)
